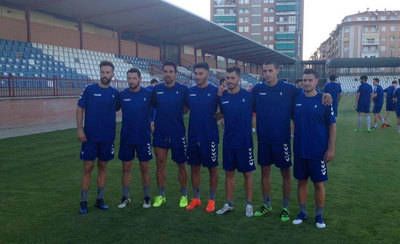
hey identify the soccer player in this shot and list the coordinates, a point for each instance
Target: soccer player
(314, 146)
(153, 83)
(273, 104)
(203, 135)
(397, 100)
(135, 135)
(363, 102)
(335, 89)
(390, 104)
(377, 98)
(97, 105)
(221, 89)
(299, 83)
(170, 101)
(236, 106)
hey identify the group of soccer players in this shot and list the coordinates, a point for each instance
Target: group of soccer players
(374, 95)
(276, 104)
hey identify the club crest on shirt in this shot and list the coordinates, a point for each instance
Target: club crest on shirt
(177, 92)
(315, 106)
(208, 95)
(243, 100)
(281, 93)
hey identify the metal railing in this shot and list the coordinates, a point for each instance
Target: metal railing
(46, 87)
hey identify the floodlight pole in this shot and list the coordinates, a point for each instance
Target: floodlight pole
(28, 24)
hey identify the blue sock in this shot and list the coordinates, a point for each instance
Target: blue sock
(303, 208)
(162, 191)
(184, 191)
(267, 201)
(285, 202)
(146, 191)
(319, 211)
(100, 193)
(212, 195)
(196, 192)
(125, 191)
(84, 196)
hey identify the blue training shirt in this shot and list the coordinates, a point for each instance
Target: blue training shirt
(312, 120)
(136, 108)
(100, 105)
(238, 111)
(169, 103)
(335, 89)
(274, 109)
(397, 96)
(365, 91)
(203, 104)
(378, 100)
(389, 94)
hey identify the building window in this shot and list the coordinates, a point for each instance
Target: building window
(292, 19)
(292, 28)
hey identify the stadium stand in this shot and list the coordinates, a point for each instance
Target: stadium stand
(351, 83)
(36, 60)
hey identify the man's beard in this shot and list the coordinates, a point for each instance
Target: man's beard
(133, 87)
(105, 81)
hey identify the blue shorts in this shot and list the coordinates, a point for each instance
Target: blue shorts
(390, 107)
(178, 148)
(127, 152)
(278, 154)
(103, 151)
(240, 159)
(377, 108)
(363, 108)
(205, 154)
(310, 168)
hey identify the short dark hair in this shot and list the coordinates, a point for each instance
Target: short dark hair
(153, 81)
(274, 63)
(376, 79)
(332, 77)
(364, 78)
(170, 63)
(298, 81)
(201, 66)
(394, 82)
(233, 69)
(106, 63)
(135, 70)
(311, 72)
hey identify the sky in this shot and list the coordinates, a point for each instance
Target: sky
(320, 16)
